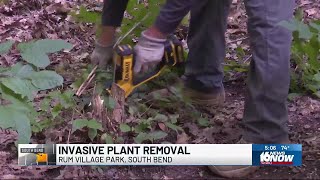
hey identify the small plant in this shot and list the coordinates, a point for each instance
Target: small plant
(92, 125)
(20, 84)
(136, 12)
(305, 75)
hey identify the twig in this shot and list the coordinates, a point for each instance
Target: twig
(311, 151)
(146, 110)
(247, 59)
(233, 112)
(69, 134)
(87, 81)
(87, 84)
(111, 124)
(134, 27)
(236, 40)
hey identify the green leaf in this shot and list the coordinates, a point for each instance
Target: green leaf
(316, 77)
(141, 127)
(92, 133)
(120, 140)
(33, 55)
(173, 127)
(240, 52)
(41, 125)
(24, 71)
(23, 127)
(20, 86)
(141, 137)
(52, 45)
(315, 26)
(300, 27)
(79, 124)
(240, 69)
(174, 118)
(56, 110)
(157, 135)
(66, 99)
(311, 48)
(18, 120)
(313, 87)
(161, 118)
(111, 104)
(6, 120)
(108, 138)
(36, 52)
(18, 102)
(94, 124)
(292, 96)
(6, 46)
(290, 25)
(299, 14)
(133, 110)
(12, 71)
(20, 70)
(46, 79)
(125, 128)
(203, 122)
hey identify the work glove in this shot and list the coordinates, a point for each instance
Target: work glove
(102, 54)
(148, 52)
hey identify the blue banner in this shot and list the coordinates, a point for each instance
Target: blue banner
(276, 154)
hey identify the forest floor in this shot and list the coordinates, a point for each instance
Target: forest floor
(23, 20)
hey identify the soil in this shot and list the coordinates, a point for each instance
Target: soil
(25, 20)
(304, 128)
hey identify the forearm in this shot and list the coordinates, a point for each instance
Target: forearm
(113, 11)
(112, 15)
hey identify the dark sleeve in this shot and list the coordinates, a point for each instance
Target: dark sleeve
(112, 13)
(171, 14)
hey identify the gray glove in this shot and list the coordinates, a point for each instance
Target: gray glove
(101, 55)
(149, 52)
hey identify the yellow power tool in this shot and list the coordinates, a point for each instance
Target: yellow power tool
(124, 60)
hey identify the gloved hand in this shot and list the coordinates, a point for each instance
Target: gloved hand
(149, 52)
(102, 54)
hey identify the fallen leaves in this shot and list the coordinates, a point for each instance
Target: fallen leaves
(25, 20)
(182, 138)
(7, 137)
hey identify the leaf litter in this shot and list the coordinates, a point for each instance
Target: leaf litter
(38, 19)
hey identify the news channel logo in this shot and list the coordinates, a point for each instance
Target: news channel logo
(276, 154)
(36, 154)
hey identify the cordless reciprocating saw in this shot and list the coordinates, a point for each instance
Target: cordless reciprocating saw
(124, 60)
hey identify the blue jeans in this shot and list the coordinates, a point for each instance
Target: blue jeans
(265, 114)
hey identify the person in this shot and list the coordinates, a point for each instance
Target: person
(265, 112)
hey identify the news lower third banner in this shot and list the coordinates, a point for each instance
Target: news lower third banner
(160, 154)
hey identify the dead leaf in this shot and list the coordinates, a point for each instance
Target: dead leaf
(162, 126)
(182, 138)
(166, 177)
(193, 128)
(239, 115)
(310, 140)
(9, 176)
(158, 93)
(311, 11)
(304, 2)
(307, 126)
(7, 136)
(119, 96)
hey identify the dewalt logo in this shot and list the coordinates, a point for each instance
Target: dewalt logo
(127, 71)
